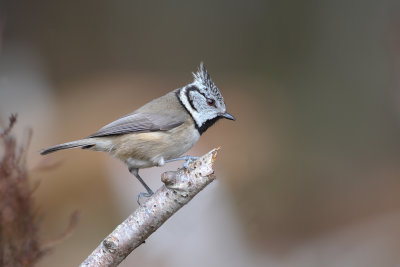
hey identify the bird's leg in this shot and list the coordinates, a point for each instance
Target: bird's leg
(187, 158)
(149, 193)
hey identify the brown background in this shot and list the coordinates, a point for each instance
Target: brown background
(308, 174)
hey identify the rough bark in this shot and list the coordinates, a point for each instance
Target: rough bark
(178, 189)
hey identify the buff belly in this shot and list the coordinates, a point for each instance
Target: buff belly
(143, 150)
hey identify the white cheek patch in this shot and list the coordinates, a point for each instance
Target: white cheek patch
(185, 101)
(193, 97)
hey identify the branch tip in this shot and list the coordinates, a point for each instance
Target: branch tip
(12, 120)
(214, 153)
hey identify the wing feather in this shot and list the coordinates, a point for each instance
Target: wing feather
(141, 122)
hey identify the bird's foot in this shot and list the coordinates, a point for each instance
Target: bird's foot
(142, 195)
(189, 160)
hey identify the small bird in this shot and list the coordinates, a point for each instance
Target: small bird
(161, 130)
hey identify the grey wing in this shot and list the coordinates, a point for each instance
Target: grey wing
(140, 122)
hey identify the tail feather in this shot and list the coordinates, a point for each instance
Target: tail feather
(73, 144)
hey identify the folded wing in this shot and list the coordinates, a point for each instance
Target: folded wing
(141, 122)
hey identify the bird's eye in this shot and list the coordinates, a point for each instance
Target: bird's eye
(210, 102)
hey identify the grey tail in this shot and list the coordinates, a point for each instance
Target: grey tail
(84, 143)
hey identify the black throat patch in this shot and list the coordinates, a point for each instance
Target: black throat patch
(206, 125)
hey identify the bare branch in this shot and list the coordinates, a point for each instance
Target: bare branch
(178, 189)
(12, 121)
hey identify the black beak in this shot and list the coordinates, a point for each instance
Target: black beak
(228, 116)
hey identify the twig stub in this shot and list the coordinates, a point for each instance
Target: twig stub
(168, 178)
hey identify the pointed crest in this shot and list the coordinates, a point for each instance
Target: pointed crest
(202, 77)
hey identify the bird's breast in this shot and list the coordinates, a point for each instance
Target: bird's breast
(182, 139)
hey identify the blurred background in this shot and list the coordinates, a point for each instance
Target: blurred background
(308, 174)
